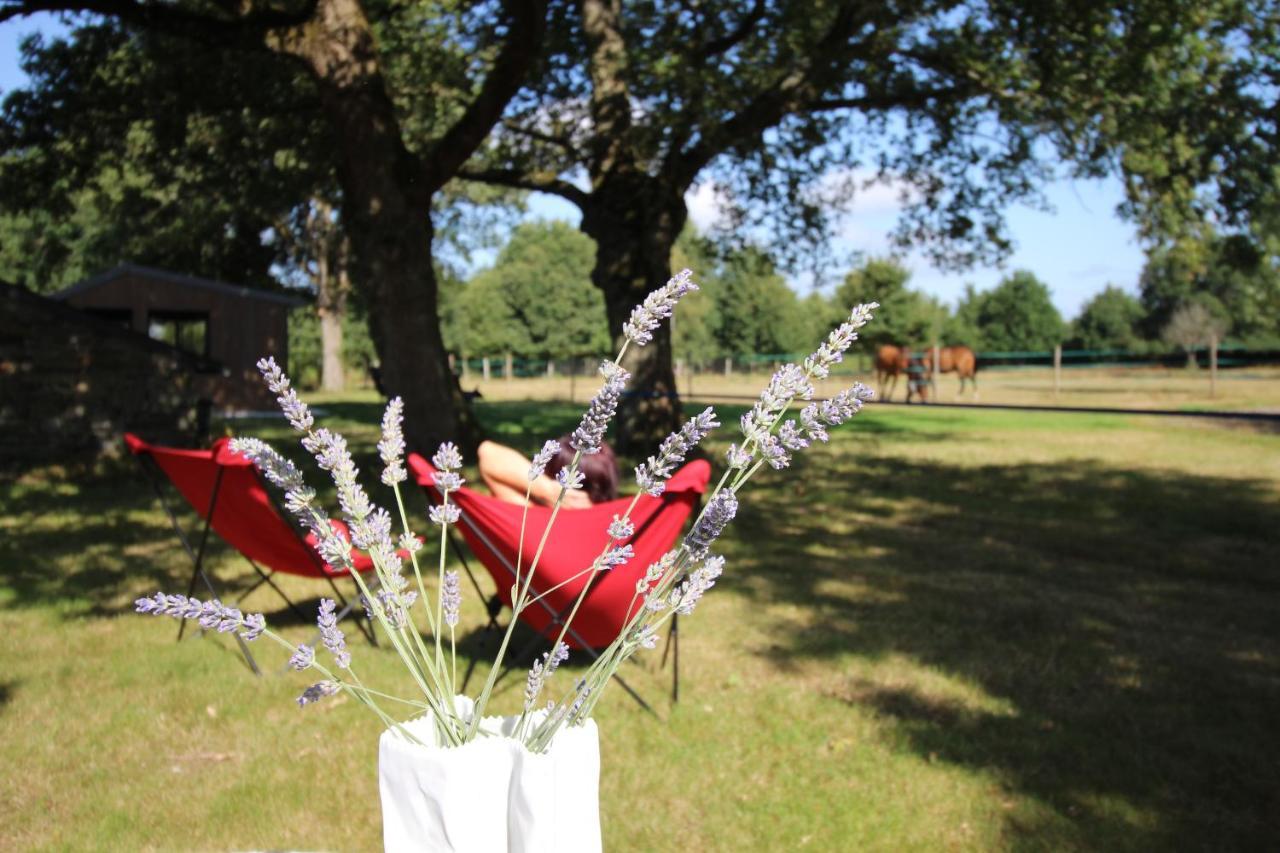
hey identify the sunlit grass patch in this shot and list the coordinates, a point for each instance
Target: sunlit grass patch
(975, 631)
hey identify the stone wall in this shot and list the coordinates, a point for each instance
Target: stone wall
(71, 384)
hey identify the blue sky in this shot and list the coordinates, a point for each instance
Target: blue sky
(1077, 249)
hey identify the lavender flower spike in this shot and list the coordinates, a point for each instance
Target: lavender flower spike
(652, 475)
(444, 514)
(391, 447)
(841, 338)
(451, 598)
(542, 458)
(447, 458)
(295, 411)
(541, 671)
(590, 433)
(657, 306)
(303, 657)
(317, 691)
(719, 512)
(621, 528)
(212, 615)
(334, 640)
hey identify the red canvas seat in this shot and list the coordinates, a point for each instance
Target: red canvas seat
(229, 495)
(491, 528)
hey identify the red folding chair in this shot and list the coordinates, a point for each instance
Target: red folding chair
(229, 494)
(491, 528)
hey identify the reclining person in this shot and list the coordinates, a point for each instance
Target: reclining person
(505, 472)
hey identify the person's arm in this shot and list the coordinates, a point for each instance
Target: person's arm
(506, 473)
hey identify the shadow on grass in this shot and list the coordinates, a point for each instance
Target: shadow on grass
(1129, 619)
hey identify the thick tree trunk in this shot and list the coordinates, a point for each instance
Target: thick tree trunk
(634, 227)
(386, 216)
(332, 371)
(331, 298)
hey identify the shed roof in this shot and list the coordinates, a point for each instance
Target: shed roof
(182, 281)
(68, 317)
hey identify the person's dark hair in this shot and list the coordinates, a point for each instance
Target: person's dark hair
(599, 470)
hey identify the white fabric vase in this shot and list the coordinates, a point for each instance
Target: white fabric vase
(491, 794)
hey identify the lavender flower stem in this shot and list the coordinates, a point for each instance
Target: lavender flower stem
(444, 543)
(355, 689)
(423, 653)
(518, 604)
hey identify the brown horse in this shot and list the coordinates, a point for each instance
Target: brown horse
(891, 362)
(961, 361)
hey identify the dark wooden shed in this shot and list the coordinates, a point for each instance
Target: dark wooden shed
(230, 324)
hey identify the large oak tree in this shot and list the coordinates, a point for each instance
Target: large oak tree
(390, 160)
(788, 106)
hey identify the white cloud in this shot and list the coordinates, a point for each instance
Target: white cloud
(706, 205)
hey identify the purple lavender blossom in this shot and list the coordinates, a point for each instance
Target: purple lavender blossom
(318, 691)
(647, 637)
(541, 671)
(810, 419)
(391, 447)
(276, 468)
(654, 573)
(719, 512)
(409, 542)
(739, 457)
(542, 458)
(444, 514)
(212, 615)
(841, 338)
(334, 640)
(791, 437)
(448, 481)
(621, 528)
(685, 598)
(583, 693)
(816, 417)
(569, 478)
(295, 411)
(656, 307)
(303, 657)
(589, 435)
(772, 451)
(395, 603)
(615, 557)
(451, 598)
(652, 475)
(447, 458)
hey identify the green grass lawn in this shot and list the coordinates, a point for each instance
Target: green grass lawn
(948, 629)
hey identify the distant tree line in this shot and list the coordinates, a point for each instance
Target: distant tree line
(537, 302)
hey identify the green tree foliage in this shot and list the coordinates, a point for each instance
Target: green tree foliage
(906, 317)
(1234, 277)
(759, 313)
(133, 147)
(694, 331)
(1015, 315)
(1112, 319)
(536, 301)
(961, 327)
(397, 135)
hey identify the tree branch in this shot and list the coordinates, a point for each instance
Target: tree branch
(527, 25)
(169, 18)
(561, 142)
(543, 182)
(892, 100)
(790, 93)
(715, 47)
